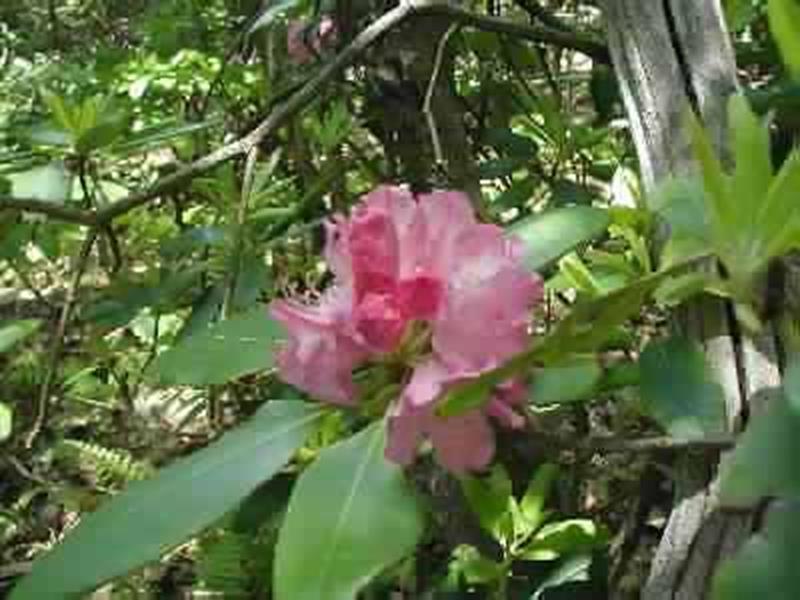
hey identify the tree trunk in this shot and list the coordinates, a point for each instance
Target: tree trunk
(671, 56)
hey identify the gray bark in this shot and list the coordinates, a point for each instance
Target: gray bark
(670, 56)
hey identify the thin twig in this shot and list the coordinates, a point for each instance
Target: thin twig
(241, 217)
(58, 341)
(426, 105)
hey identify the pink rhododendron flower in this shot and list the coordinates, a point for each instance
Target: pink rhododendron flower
(305, 42)
(399, 261)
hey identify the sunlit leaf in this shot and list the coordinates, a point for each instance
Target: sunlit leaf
(784, 23)
(6, 421)
(151, 516)
(238, 346)
(571, 381)
(551, 235)
(351, 515)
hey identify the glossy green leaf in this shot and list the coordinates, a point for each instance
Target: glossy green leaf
(778, 220)
(751, 149)
(532, 503)
(473, 567)
(573, 570)
(565, 537)
(351, 515)
(551, 235)
(151, 516)
(6, 421)
(571, 381)
(678, 389)
(14, 332)
(489, 497)
(766, 566)
(764, 462)
(721, 208)
(240, 345)
(784, 23)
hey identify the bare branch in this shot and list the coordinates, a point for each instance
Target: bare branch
(56, 210)
(307, 94)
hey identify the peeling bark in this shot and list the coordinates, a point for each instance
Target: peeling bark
(671, 56)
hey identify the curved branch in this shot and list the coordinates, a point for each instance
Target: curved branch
(304, 96)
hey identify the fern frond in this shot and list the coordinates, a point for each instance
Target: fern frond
(222, 564)
(110, 466)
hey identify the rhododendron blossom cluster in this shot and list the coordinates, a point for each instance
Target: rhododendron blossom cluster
(417, 281)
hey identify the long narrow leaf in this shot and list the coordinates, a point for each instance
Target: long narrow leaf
(156, 514)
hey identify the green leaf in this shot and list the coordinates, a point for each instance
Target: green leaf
(678, 389)
(565, 537)
(350, 516)
(551, 235)
(6, 421)
(156, 514)
(791, 384)
(784, 23)
(571, 381)
(158, 135)
(778, 221)
(573, 570)
(532, 503)
(764, 462)
(489, 498)
(766, 567)
(722, 209)
(16, 331)
(751, 150)
(240, 345)
(468, 562)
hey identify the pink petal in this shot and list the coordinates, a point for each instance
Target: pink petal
(421, 296)
(464, 442)
(404, 436)
(380, 321)
(488, 302)
(427, 382)
(319, 356)
(443, 217)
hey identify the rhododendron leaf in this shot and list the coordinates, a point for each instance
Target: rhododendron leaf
(765, 460)
(232, 348)
(766, 567)
(678, 390)
(572, 571)
(153, 515)
(571, 381)
(784, 23)
(489, 498)
(549, 236)
(532, 503)
(351, 515)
